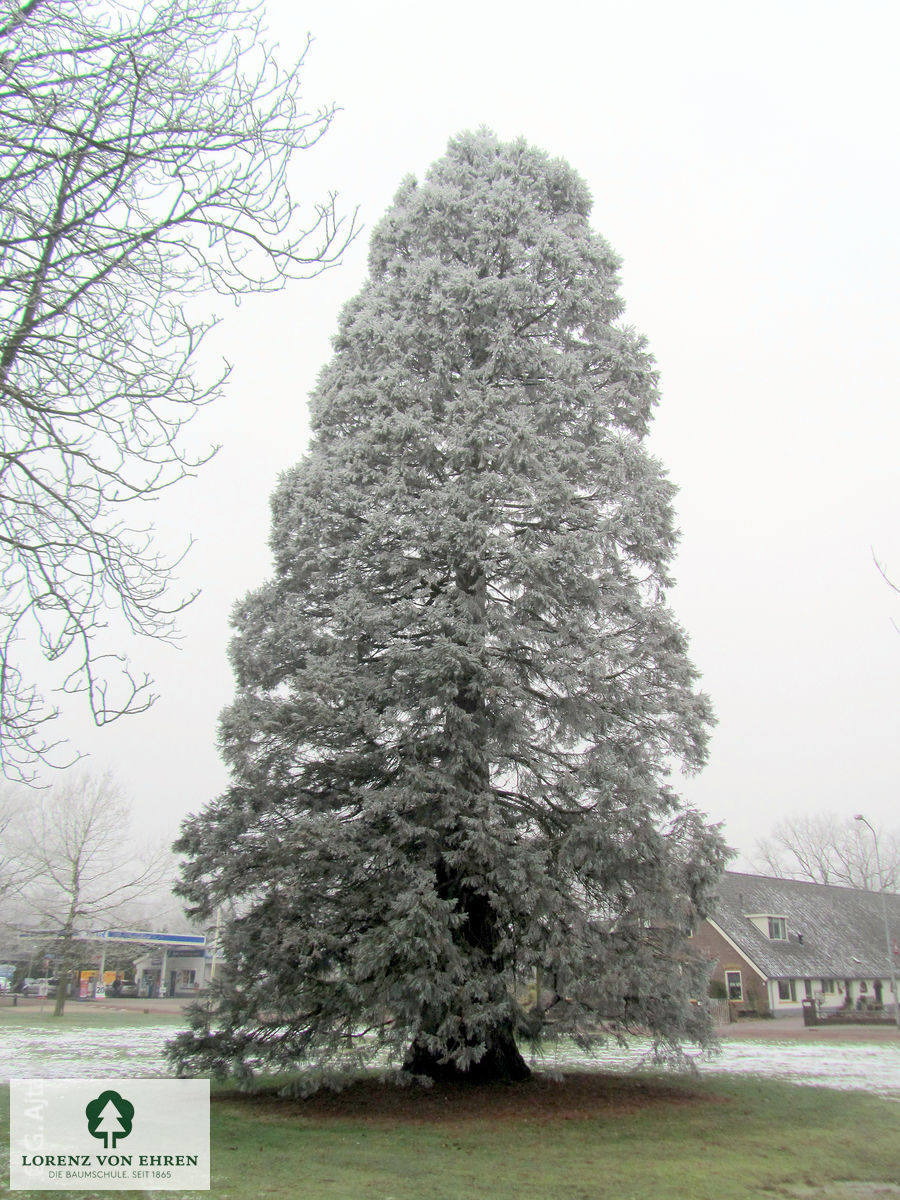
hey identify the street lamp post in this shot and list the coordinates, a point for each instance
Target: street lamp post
(887, 932)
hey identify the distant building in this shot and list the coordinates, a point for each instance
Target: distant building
(778, 942)
(180, 973)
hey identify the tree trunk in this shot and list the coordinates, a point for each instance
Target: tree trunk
(479, 934)
(500, 1063)
(62, 988)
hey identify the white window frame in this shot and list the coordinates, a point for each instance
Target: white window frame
(729, 977)
(779, 924)
(791, 987)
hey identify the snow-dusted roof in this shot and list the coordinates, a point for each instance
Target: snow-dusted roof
(841, 928)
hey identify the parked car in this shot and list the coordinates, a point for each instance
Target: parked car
(122, 989)
(40, 987)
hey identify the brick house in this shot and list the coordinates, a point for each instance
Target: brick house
(777, 942)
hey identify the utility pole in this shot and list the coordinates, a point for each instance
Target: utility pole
(887, 931)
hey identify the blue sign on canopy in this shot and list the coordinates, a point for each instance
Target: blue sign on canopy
(124, 935)
(158, 939)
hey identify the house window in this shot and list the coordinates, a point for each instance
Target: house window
(787, 989)
(778, 929)
(828, 987)
(863, 986)
(733, 985)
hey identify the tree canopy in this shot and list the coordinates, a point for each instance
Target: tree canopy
(144, 163)
(461, 695)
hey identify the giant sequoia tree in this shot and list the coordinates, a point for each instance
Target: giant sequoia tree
(461, 695)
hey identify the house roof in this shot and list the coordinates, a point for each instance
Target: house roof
(842, 929)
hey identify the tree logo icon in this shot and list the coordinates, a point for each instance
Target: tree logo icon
(109, 1117)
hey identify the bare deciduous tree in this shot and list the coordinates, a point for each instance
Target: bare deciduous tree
(144, 161)
(14, 873)
(827, 849)
(9, 811)
(83, 864)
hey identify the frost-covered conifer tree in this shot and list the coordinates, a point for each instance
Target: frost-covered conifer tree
(461, 695)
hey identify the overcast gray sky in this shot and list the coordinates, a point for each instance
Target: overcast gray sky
(743, 161)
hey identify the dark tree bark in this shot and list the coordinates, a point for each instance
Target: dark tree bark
(501, 1061)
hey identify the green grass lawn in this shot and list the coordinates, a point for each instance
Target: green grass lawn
(642, 1138)
(85, 1015)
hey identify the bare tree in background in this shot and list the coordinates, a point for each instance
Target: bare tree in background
(827, 849)
(84, 866)
(144, 161)
(13, 872)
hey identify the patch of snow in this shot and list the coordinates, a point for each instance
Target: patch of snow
(39, 1053)
(68, 1053)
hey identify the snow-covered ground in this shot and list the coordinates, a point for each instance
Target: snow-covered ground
(56, 1053)
(41, 1052)
(871, 1067)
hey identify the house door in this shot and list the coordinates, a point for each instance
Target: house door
(173, 975)
(878, 991)
(807, 986)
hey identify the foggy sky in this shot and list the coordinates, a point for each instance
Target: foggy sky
(743, 162)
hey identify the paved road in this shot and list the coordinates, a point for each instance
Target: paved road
(792, 1029)
(776, 1029)
(108, 1005)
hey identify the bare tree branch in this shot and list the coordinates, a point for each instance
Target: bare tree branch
(883, 573)
(826, 849)
(144, 162)
(887, 579)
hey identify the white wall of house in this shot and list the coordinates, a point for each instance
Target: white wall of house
(786, 1005)
(786, 996)
(772, 925)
